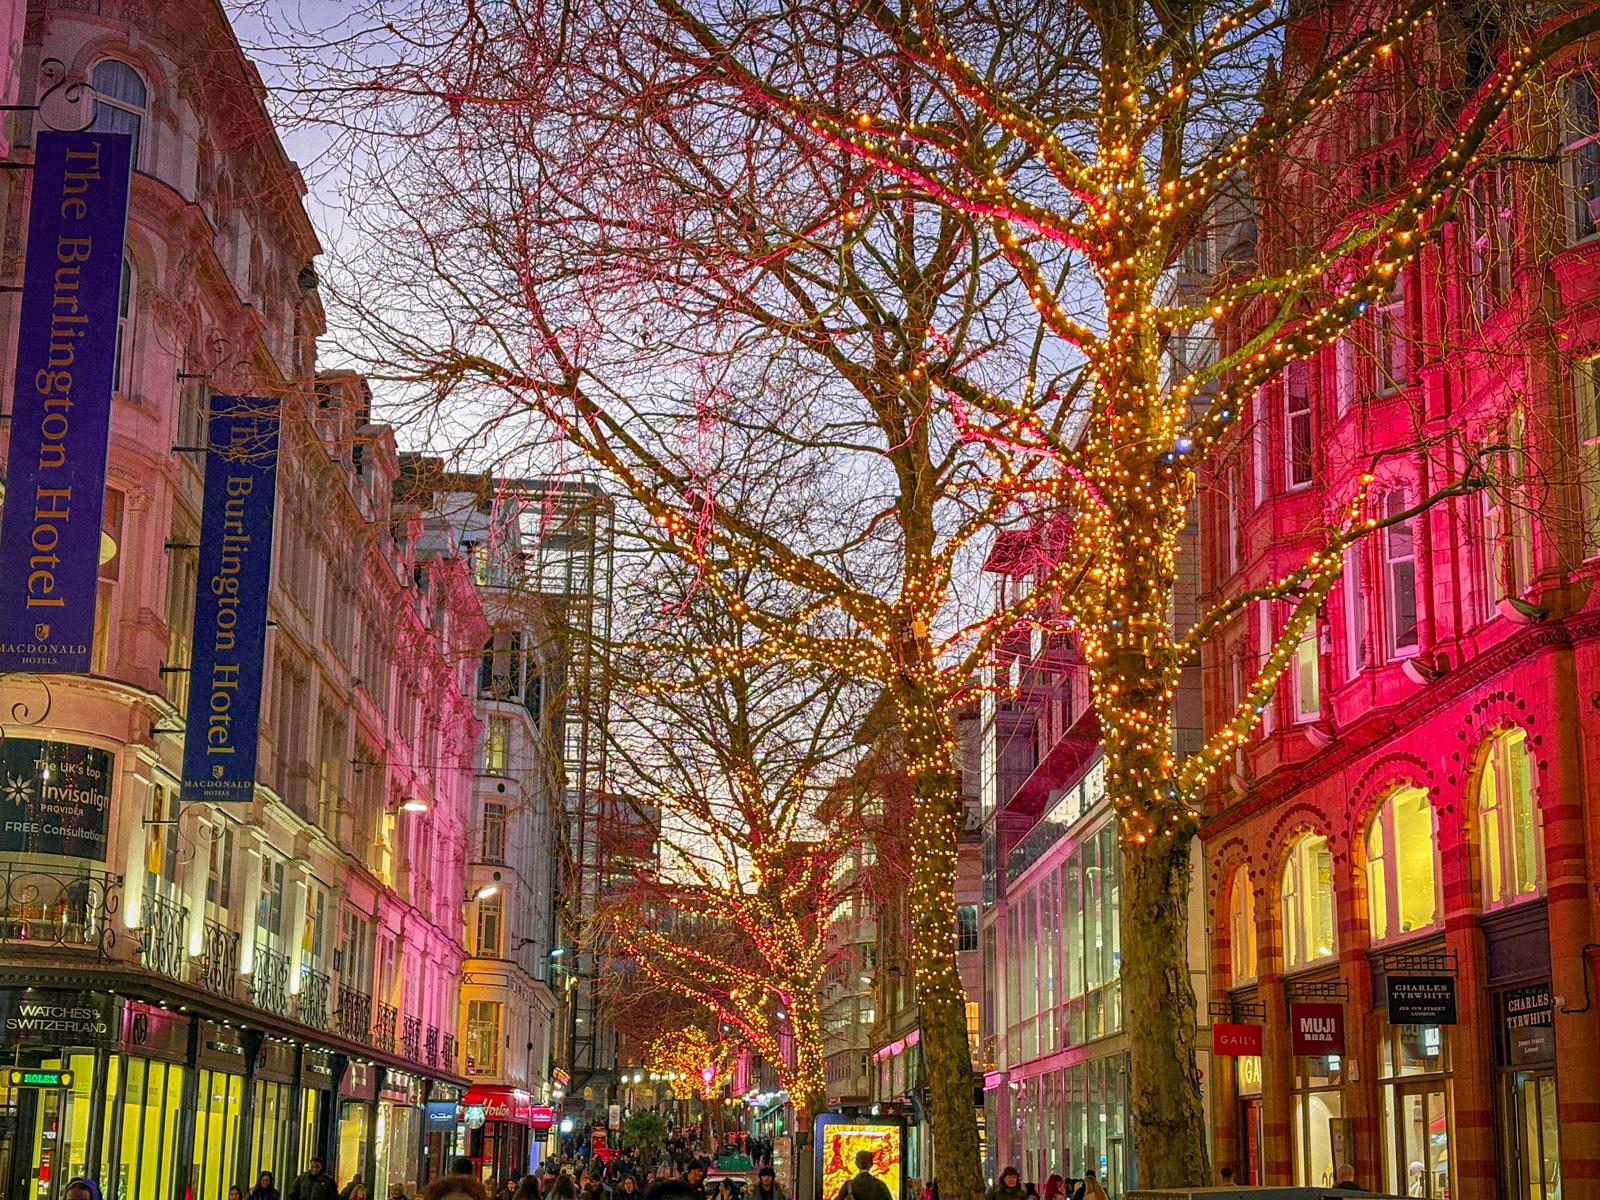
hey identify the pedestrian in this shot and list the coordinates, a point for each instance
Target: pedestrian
(264, 1189)
(564, 1188)
(628, 1186)
(455, 1186)
(1031, 1191)
(1345, 1179)
(397, 1191)
(1009, 1186)
(81, 1187)
(865, 1185)
(767, 1187)
(695, 1176)
(313, 1184)
(1091, 1187)
(1055, 1188)
(462, 1165)
(349, 1190)
(529, 1189)
(235, 1192)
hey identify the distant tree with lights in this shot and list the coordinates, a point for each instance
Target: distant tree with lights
(701, 1063)
(834, 292)
(742, 777)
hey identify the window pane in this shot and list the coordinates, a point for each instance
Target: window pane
(1413, 840)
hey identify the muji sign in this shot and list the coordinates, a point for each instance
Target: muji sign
(1316, 1029)
(1239, 1041)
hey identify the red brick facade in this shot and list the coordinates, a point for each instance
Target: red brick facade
(1450, 634)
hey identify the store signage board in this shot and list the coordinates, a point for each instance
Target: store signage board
(1529, 1016)
(1316, 1029)
(50, 536)
(542, 1116)
(23, 1077)
(1421, 999)
(1234, 1040)
(55, 798)
(230, 610)
(439, 1116)
(36, 1017)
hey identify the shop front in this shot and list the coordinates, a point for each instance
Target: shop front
(499, 1125)
(442, 1131)
(397, 1134)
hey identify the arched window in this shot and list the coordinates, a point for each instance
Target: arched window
(1506, 820)
(1242, 928)
(121, 98)
(1401, 889)
(1307, 902)
(119, 370)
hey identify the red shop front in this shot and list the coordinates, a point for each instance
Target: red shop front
(499, 1123)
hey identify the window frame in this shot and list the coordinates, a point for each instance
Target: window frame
(1582, 145)
(1308, 656)
(1586, 405)
(1299, 427)
(1396, 500)
(1390, 329)
(1384, 845)
(141, 114)
(1242, 927)
(1493, 762)
(1293, 923)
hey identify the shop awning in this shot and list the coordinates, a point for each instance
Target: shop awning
(500, 1103)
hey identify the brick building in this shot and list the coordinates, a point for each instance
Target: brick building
(1414, 812)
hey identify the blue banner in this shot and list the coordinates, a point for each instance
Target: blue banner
(61, 401)
(230, 609)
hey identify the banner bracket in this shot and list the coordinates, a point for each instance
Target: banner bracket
(164, 669)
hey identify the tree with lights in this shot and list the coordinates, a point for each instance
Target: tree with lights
(700, 1063)
(834, 292)
(739, 777)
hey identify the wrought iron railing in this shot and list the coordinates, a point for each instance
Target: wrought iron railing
(217, 968)
(312, 1002)
(353, 1018)
(383, 1025)
(164, 936)
(59, 908)
(81, 911)
(269, 981)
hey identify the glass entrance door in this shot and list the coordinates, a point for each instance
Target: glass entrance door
(1418, 1134)
(1534, 1136)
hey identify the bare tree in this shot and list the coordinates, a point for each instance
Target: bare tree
(833, 290)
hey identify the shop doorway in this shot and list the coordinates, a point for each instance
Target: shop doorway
(1533, 1135)
(1418, 1129)
(1250, 1140)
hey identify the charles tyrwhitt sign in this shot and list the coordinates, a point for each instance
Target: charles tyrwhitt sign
(1422, 999)
(230, 611)
(61, 406)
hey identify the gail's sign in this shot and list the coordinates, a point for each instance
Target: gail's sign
(1316, 1029)
(1235, 1040)
(61, 407)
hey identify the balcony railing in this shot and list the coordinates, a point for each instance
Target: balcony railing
(217, 968)
(353, 1018)
(269, 981)
(315, 988)
(164, 936)
(81, 913)
(383, 1025)
(59, 908)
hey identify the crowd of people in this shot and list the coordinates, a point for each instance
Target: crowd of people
(1057, 1187)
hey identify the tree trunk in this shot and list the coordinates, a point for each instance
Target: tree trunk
(808, 1092)
(1169, 1133)
(947, 1057)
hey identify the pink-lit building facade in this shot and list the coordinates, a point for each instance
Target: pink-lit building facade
(1418, 802)
(274, 978)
